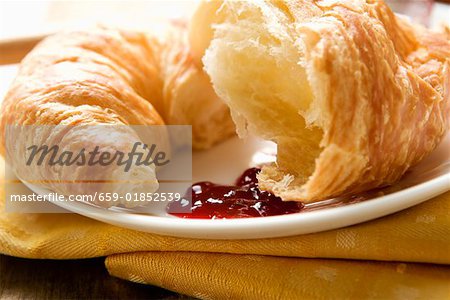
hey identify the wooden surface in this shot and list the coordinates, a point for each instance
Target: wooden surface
(69, 279)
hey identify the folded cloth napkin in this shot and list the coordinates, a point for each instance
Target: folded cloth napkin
(405, 256)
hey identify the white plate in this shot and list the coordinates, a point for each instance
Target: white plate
(224, 163)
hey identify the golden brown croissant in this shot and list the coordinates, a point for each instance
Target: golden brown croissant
(108, 77)
(352, 94)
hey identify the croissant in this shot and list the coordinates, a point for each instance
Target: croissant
(352, 94)
(106, 76)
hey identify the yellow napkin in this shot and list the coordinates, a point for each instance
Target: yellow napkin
(402, 256)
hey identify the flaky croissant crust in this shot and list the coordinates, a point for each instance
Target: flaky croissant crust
(379, 89)
(107, 76)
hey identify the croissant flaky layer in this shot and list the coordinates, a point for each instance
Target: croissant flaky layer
(106, 76)
(352, 94)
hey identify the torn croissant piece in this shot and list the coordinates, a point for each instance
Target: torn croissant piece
(352, 94)
(188, 96)
(105, 76)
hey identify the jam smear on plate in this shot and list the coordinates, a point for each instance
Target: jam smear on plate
(242, 200)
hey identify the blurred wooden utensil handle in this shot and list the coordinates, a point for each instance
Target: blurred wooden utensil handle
(13, 50)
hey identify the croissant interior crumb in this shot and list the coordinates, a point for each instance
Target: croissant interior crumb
(260, 71)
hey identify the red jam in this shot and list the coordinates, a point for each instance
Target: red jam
(243, 200)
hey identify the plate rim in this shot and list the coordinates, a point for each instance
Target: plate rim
(266, 227)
